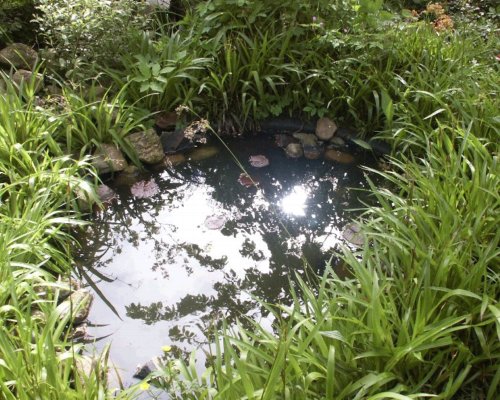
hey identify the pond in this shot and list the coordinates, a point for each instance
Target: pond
(205, 246)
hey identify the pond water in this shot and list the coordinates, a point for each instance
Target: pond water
(170, 277)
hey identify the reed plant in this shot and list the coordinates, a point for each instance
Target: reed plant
(87, 123)
(39, 189)
(417, 317)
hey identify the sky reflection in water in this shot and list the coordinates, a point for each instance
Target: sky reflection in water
(172, 277)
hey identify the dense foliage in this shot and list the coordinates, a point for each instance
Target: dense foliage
(419, 314)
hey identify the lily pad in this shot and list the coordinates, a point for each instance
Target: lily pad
(246, 180)
(144, 189)
(259, 161)
(215, 222)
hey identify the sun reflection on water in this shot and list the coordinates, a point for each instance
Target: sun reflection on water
(295, 202)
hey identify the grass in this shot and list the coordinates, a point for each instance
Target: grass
(39, 189)
(419, 315)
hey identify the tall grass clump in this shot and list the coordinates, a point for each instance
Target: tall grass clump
(419, 314)
(39, 189)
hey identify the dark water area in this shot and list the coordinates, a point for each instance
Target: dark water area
(170, 277)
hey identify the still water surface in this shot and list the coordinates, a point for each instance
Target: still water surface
(170, 277)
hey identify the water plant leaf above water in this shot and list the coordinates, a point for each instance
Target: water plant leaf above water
(258, 161)
(144, 189)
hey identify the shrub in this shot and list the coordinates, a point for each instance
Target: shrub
(81, 32)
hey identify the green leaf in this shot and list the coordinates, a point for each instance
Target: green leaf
(362, 143)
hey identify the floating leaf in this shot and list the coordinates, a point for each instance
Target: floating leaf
(215, 222)
(258, 161)
(246, 180)
(144, 189)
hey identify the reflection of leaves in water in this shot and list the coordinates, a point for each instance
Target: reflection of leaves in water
(249, 250)
(188, 305)
(148, 314)
(195, 251)
(182, 334)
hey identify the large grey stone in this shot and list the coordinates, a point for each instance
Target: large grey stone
(108, 158)
(106, 194)
(23, 76)
(76, 306)
(147, 146)
(294, 150)
(307, 139)
(339, 156)
(325, 128)
(311, 148)
(19, 55)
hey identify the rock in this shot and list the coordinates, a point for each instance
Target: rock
(312, 152)
(171, 140)
(147, 145)
(282, 139)
(165, 121)
(108, 158)
(106, 194)
(311, 148)
(346, 133)
(18, 55)
(54, 90)
(306, 139)
(22, 76)
(258, 161)
(337, 141)
(202, 153)
(144, 370)
(294, 150)
(128, 176)
(78, 303)
(174, 159)
(339, 156)
(62, 287)
(352, 233)
(325, 129)
(79, 332)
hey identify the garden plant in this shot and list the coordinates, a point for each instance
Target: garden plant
(417, 316)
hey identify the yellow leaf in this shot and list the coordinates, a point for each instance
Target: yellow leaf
(144, 386)
(166, 349)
